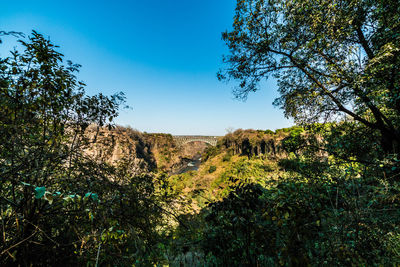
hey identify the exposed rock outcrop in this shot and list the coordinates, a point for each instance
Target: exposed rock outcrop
(254, 143)
(112, 145)
(145, 152)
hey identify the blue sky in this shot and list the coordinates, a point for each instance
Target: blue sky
(163, 54)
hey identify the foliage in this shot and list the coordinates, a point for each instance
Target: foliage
(294, 142)
(300, 222)
(212, 169)
(58, 206)
(210, 152)
(251, 142)
(337, 203)
(325, 208)
(331, 59)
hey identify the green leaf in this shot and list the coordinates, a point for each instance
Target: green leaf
(95, 197)
(39, 192)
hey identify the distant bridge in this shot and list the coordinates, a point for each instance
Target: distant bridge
(184, 139)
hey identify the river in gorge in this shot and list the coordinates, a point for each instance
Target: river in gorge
(192, 164)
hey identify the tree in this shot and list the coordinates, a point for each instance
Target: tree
(59, 206)
(332, 59)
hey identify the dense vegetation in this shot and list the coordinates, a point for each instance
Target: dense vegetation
(326, 192)
(59, 206)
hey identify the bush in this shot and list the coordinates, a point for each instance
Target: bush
(296, 223)
(212, 169)
(227, 157)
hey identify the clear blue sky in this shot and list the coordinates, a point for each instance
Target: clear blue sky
(163, 54)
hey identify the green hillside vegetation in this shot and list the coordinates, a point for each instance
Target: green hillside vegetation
(300, 209)
(236, 159)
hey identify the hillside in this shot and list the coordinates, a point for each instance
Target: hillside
(147, 152)
(241, 156)
(244, 156)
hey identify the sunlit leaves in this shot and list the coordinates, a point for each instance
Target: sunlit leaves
(47, 182)
(332, 59)
(39, 192)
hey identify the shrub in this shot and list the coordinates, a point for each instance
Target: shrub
(212, 169)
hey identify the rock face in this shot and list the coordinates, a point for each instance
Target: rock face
(121, 143)
(254, 143)
(145, 152)
(192, 149)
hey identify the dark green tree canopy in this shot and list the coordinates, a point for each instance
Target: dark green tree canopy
(53, 195)
(332, 59)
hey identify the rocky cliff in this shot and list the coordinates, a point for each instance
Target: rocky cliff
(147, 152)
(111, 145)
(254, 143)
